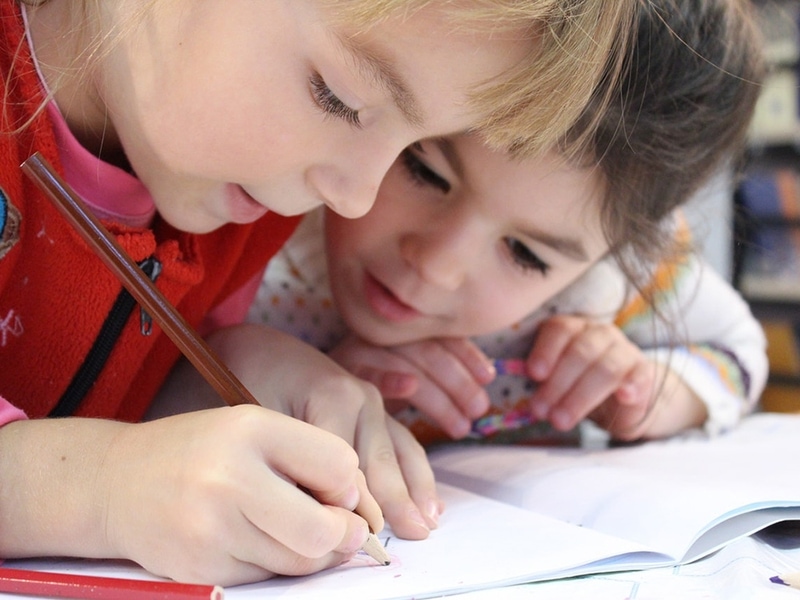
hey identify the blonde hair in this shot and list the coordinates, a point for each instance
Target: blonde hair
(581, 45)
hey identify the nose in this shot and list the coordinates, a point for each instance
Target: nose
(443, 253)
(348, 183)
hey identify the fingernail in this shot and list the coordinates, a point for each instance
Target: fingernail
(478, 405)
(625, 392)
(460, 429)
(561, 419)
(539, 410)
(351, 498)
(537, 369)
(487, 371)
(432, 512)
(416, 517)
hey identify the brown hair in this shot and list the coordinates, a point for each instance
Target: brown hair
(688, 91)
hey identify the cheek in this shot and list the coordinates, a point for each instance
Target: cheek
(350, 246)
(498, 305)
(494, 312)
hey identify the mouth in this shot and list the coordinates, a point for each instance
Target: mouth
(385, 303)
(243, 207)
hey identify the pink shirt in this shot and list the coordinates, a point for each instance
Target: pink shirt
(9, 412)
(116, 195)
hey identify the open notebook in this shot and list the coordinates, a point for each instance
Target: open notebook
(517, 514)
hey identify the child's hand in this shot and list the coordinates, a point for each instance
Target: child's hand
(443, 378)
(213, 496)
(590, 369)
(290, 376)
(209, 496)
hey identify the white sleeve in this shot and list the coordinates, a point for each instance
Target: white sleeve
(706, 333)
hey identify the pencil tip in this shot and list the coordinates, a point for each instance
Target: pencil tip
(778, 580)
(375, 549)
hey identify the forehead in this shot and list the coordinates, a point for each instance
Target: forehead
(541, 191)
(432, 66)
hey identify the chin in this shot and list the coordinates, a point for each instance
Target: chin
(197, 225)
(377, 336)
(390, 336)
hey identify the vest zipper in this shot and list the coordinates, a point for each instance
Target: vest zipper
(107, 337)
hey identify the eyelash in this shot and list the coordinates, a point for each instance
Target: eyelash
(423, 175)
(330, 102)
(524, 257)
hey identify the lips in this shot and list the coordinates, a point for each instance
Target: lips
(243, 207)
(384, 303)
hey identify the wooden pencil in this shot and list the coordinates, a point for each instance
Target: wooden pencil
(376, 550)
(142, 288)
(136, 282)
(63, 585)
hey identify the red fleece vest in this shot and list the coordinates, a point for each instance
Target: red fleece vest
(55, 293)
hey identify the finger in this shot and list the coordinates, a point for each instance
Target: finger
(324, 465)
(397, 385)
(394, 405)
(451, 375)
(625, 422)
(577, 357)
(438, 406)
(391, 384)
(639, 407)
(306, 527)
(314, 458)
(417, 473)
(552, 338)
(639, 385)
(336, 405)
(472, 357)
(256, 555)
(595, 385)
(368, 507)
(385, 477)
(385, 369)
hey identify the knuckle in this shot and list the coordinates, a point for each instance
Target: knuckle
(611, 367)
(349, 392)
(583, 348)
(321, 541)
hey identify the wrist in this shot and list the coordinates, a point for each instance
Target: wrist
(59, 465)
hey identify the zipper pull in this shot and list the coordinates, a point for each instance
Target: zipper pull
(152, 268)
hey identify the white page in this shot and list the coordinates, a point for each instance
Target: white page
(632, 492)
(481, 543)
(741, 570)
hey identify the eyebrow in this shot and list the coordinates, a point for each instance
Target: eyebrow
(569, 247)
(370, 63)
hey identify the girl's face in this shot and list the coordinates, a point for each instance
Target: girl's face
(229, 108)
(462, 241)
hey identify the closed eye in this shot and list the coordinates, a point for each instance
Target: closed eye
(524, 257)
(330, 102)
(421, 173)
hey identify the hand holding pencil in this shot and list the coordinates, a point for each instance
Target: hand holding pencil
(217, 497)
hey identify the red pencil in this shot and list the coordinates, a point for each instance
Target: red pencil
(60, 585)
